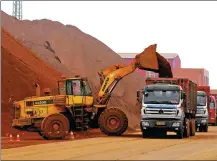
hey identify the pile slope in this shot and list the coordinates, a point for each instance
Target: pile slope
(21, 69)
(79, 53)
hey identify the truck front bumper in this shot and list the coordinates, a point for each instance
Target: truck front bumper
(201, 121)
(168, 125)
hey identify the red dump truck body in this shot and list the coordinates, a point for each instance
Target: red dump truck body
(213, 111)
(188, 86)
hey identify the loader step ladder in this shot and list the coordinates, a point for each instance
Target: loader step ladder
(81, 119)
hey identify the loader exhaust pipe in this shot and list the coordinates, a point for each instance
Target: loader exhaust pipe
(37, 90)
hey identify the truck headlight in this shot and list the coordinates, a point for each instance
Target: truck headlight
(145, 123)
(203, 121)
(176, 124)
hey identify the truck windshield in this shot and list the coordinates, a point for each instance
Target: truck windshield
(162, 97)
(201, 100)
(211, 105)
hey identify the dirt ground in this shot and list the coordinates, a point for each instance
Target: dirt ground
(27, 138)
(130, 146)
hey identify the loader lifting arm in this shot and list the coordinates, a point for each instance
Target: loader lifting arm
(149, 60)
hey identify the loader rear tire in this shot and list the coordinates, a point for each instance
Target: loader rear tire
(113, 122)
(55, 127)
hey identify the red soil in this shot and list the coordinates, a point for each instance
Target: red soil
(78, 53)
(21, 68)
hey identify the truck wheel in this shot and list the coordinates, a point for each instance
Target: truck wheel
(205, 128)
(145, 133)
(113, 122)
(193, 128)
(55, 126)
(180, 133)
(200, 129)
(187, 129)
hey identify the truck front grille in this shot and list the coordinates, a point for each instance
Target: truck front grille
(200, 111)
(159, 111)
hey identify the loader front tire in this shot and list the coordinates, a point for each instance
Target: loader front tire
(55, 127)
(113, 122)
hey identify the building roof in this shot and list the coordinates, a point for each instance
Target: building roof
(132, 55)
(213, 91)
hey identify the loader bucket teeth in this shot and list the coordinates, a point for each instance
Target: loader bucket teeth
(150, 60)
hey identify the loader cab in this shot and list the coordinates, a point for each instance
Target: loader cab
(76, 86)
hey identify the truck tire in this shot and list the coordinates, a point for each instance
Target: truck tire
(55, 127)
(187, 129)
(193, 127)
(205, 128)
(113, 122)
(145, 133)
(200, 129)
(180, 133)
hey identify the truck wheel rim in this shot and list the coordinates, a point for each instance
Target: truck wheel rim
(56, 126)
(113, 122)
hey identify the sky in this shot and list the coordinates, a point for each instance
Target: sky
(186, 28)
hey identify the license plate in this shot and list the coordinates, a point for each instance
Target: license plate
(160, 123)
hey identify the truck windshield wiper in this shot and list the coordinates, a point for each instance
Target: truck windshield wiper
(200, 104)
(157, 102)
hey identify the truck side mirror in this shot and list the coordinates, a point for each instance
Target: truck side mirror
(183, 95)
(138, 93)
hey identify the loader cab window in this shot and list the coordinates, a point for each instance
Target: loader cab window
(87, 89)
(74, 87)
(61, 88)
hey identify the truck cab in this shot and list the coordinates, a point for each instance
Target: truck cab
(161, 109)
(168, 104)
(212, 111)
(202, 114)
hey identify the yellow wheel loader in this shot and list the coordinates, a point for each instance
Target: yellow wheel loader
(72, 106)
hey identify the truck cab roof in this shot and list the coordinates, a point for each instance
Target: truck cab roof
(201, 93)
(162, 86)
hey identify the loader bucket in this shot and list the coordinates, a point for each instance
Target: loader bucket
(150, 60)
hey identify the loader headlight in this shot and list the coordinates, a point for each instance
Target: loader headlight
(145, 123)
